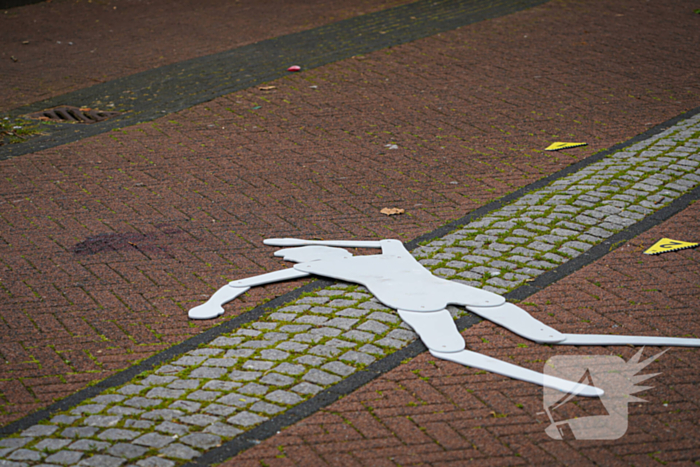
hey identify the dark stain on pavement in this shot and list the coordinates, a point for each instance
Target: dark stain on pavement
(151, 242)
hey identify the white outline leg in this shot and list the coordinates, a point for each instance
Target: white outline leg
(523, 324)
(606, 339)
(439, 333)
(484, 362)
(520, 322)
(436, 329)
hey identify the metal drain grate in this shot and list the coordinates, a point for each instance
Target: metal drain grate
(66, 113)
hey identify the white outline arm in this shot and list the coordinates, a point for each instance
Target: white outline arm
(395, 248)
(214, 306)
(607, 339)
(274, 276)
(289, 242)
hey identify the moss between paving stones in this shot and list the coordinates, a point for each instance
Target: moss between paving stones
(548, 205)
(18, 130)
(498, 252)
(251, 330)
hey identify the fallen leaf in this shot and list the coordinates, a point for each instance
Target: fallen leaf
(267, 88)
(25, 42)
(392, 211)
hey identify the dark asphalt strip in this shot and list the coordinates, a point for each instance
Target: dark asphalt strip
(152, 94)
(357, 380)
(5, 4)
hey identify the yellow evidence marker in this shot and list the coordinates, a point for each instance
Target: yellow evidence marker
(666, 244)
(559, 145)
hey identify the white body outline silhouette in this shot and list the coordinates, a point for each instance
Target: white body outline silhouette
(400, 282)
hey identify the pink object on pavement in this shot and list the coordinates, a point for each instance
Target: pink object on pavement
(294, 68)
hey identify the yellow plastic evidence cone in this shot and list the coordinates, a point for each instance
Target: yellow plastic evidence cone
(559, 145)
(666, 244)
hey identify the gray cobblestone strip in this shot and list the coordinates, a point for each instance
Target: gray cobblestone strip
(557, 223)
(241, 379)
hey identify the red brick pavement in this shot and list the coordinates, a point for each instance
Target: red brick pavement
(108, 39)
(437, 413)
(106, 242)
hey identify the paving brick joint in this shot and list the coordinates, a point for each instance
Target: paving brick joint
(179, 86)
(159, 209)
(240, 380)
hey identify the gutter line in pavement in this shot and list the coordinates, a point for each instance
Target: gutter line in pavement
(171, 88)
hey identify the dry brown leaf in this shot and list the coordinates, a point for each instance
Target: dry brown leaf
(267, 88)
(392, 211)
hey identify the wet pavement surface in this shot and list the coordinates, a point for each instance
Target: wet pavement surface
(110, 239)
